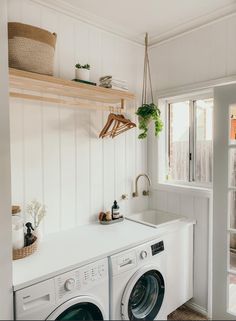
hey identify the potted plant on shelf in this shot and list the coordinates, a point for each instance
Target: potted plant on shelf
(82, 72)
(148, 112)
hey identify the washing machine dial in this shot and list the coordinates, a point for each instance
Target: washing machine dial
(69, 284)
(143, 255)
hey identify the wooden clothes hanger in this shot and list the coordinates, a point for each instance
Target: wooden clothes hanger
(120, 125)
(105, 129)
(112, 118)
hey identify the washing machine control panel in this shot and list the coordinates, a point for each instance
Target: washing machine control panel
(126, 262)
(70, 284)
(80, 279)
(157, 248)
(138, 256)
(93, 274)
(143, 255)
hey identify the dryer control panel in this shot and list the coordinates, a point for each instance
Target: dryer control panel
(80, 279)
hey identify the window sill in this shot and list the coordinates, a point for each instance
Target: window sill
(185, 189)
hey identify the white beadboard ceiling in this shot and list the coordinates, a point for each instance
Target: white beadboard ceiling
(162, 19)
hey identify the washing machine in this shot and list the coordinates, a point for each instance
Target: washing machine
(81, 294)
(138, 288)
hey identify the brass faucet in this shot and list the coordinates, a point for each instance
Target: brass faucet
(145, 193)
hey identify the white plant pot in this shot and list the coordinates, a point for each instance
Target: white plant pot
(82, 74)
(39, 234)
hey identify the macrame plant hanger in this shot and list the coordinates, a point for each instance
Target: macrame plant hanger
(146, 75)
(148, 111)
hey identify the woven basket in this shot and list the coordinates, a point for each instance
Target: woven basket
(26, 251)
(31, 48)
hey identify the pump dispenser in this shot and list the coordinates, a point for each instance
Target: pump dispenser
(29, 237)
(115, 211)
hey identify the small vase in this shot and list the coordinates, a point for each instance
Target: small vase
(82, 74)
(39, 234)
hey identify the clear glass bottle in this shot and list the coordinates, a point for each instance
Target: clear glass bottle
(17, 232)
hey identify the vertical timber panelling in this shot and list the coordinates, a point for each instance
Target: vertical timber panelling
(51, 143)
(58, 158)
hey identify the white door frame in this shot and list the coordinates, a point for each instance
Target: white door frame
(224, 96)
(6, 297)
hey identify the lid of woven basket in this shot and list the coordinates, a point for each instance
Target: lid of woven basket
(15, 209)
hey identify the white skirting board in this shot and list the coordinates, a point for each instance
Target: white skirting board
(197, 308)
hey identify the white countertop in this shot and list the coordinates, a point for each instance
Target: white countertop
(64, 251)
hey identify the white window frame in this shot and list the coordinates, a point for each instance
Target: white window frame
(162, 148)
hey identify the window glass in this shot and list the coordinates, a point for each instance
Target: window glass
(232, 294)
(232, 210)
(190, 146)
(232, 254)
(203, 140)
(232, 167)
(233, 124)
(179, 141)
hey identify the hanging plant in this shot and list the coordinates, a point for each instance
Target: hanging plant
(148, 111)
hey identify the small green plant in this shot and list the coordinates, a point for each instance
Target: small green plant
(146, 113)
(79, 66)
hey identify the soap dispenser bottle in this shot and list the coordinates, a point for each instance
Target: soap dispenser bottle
(115, 211)
(29, 237)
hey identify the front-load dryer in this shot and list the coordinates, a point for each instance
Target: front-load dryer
(81, 294)
(138, 283)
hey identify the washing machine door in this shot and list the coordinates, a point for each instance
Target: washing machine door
(79, 308)
(143, 296)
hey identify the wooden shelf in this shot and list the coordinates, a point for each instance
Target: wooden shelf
(41, 88)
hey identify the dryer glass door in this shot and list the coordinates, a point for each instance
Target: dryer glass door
(81, 311)
(146, 297)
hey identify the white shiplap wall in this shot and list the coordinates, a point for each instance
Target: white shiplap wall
(56, 154)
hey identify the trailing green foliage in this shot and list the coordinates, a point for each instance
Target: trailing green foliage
(146, 113)
(79, 66)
